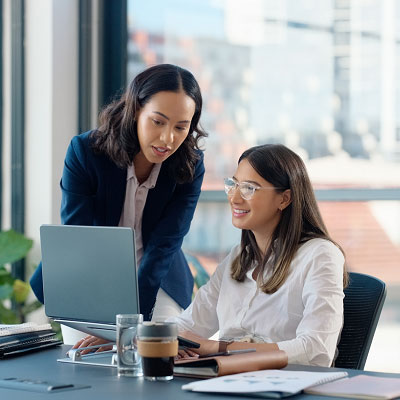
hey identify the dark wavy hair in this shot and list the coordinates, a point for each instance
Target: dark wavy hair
(300, 220)
(117, 136)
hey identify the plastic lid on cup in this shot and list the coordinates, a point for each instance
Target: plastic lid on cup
(152, 329)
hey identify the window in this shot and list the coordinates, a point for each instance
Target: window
(316, 76)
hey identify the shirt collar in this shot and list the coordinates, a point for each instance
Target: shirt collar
(268, 269)
(150, 182)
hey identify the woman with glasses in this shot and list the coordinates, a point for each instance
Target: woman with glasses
(282, 287)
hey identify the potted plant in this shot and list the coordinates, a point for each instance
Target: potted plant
(14, 292)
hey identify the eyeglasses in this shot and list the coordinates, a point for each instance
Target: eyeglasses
(246, 189)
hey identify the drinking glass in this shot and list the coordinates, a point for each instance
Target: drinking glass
(129, 361)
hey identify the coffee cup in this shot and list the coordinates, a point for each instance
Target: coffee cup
(157, 345)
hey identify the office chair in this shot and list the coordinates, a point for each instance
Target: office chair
(363, 302)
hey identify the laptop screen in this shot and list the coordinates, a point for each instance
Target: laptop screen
(89, 273)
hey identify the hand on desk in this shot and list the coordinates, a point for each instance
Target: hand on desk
(91, 341)
(212, 346)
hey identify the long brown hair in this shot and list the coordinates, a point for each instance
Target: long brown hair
(300, 220)
(117, 133)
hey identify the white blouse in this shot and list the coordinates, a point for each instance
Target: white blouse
(304, 317)
(135, 200)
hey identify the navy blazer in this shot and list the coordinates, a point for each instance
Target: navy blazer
(93, 193)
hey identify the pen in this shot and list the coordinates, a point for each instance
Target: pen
(228, 353)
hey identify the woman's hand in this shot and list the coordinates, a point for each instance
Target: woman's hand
(186, 353)
(206, 346)
(91, 341)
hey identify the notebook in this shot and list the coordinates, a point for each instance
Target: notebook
(360, 387)
(89, 276)
(230, 364)
(264, 384)
(22, 339)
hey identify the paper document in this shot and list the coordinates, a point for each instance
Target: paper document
(6, 330)
(280, 383)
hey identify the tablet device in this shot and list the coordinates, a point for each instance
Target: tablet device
(89, 276)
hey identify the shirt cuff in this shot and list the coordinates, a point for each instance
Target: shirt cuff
(295, 352)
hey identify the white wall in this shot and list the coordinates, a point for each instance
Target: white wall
(51, 107)
(51, 98)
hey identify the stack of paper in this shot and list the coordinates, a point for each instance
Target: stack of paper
(22, 328)
(22, 338)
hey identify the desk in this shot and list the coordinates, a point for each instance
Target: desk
(104, 382)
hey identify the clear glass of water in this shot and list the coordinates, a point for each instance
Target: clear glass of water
(129, 360)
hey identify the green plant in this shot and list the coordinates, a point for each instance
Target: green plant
(14, 292)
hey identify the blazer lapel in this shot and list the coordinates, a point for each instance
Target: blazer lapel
(115, 194)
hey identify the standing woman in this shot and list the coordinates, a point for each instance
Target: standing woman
(282, 287)
(142, 168)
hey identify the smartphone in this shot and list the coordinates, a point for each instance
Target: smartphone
(187, 343)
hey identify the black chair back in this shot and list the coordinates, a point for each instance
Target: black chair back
(363, 302)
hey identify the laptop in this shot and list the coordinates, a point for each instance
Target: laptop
(89, 276)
